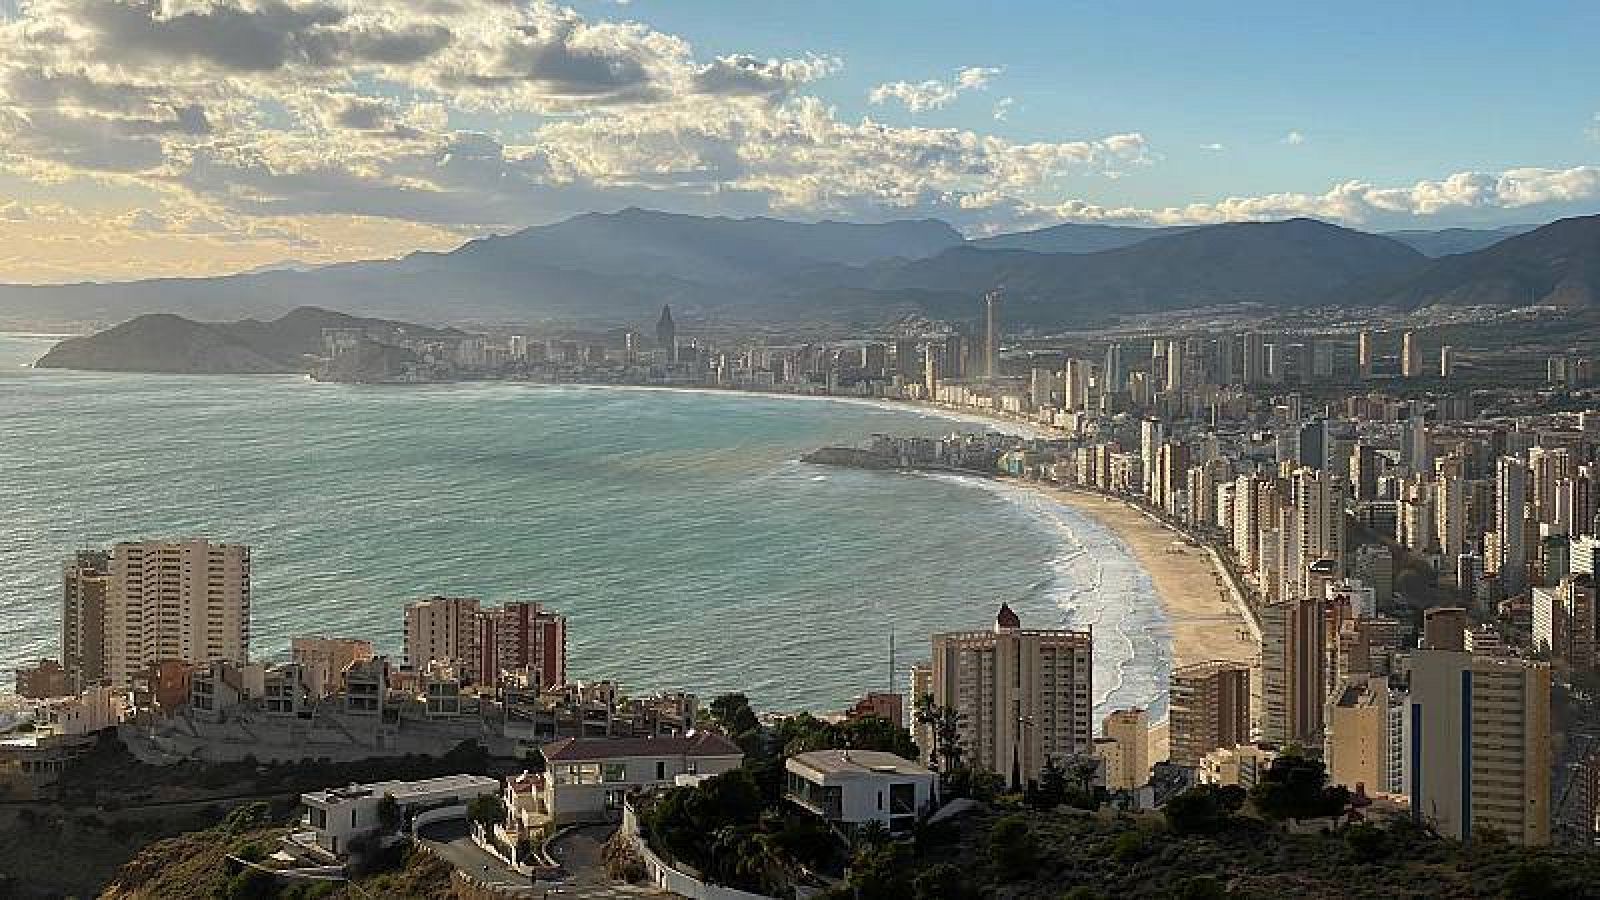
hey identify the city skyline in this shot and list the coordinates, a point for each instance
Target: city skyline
(227, 136)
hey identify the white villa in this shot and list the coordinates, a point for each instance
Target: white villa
(338, 816)
(585, 780)
(853, 787)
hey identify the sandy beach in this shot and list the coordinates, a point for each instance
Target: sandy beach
(1204, 621)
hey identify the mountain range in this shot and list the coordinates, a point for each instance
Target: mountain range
(620, 267)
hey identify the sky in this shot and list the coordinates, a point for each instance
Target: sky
(145, 138)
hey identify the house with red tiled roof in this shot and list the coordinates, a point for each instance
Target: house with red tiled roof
(586, 779)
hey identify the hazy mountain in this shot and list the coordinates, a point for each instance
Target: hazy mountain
(616, 265)
(621, 267)
(1074, 238)
(1558, 264)
(169, 344)
(1287, 263)
(1450, 241)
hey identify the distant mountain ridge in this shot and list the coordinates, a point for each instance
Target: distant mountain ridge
(621, 267)
(1556, 265)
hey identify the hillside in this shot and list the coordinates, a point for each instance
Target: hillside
(1450, 241)
(167, 344)
(1076, 238)
(1293, 263)
(1556, 265)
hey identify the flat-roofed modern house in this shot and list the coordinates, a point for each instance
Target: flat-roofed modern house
(853, 787)
(338, 816)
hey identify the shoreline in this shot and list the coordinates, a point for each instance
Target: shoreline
(1202, 619)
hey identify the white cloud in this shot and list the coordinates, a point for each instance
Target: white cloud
(933, 94)
(1213, 147)
(1293, 139)
(1002, 108)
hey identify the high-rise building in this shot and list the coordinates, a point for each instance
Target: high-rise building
(1255, 358)
(1410, 355)
(1116, 372)
(1447, 361)
(523, 636)
(1208, 709)
(991, 334)
(1174, 367)
(85, 587)
(1356, 746)
(907, 361)
(1510, 509)
(667, 335)
(1023, 696)
(443, 631)
(176, 600)
(1479, 752)
(1319, 520)
(1293, 670)
(1130, 730)
(1364, 354)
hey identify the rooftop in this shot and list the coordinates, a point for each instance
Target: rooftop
(403, 790)
(704, 743)
(858, 763)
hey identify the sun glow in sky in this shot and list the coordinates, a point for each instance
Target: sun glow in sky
(185, 137)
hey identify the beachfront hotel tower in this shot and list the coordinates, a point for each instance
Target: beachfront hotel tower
(991, 333)
(1208, 709)
(1023, 696)
(175, 600)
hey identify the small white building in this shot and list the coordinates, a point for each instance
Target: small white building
(338, 816)
(853, 787)
(586, 779)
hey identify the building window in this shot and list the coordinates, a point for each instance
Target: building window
(661, 770)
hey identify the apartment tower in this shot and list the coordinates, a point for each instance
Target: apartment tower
(85, 587)
(176, 600)
(1023, 696)
(1208, 709)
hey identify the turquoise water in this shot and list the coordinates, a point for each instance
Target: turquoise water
(678, 532)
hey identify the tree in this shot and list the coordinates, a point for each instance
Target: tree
(1365, 841)
(942, 881)
(872, 833)
(1203, 809)
(733, 714)
(1296, 787)
(389, 814)
(945, 756)
(487, 810)
(881, 873)
(1013, 848)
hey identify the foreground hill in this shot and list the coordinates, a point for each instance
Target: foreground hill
(168, 344)
(1076, 238)
(1557, 265)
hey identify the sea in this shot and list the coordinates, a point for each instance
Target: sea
(677, 530)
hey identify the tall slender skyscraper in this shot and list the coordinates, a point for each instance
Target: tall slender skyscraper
(1410, 355)
(1510, 507)
(1364, 355)
(667, 334)
(991, 333)
(1116, 372)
